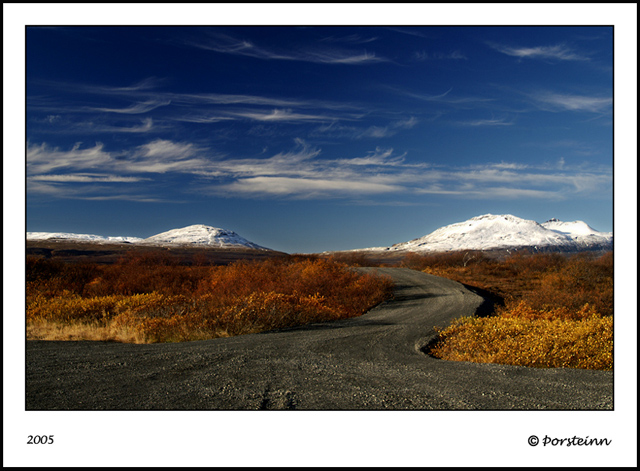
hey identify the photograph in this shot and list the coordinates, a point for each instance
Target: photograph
(247, 236)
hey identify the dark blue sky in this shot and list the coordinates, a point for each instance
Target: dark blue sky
(316, 138)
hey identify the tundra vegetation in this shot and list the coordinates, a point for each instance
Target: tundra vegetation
(557, 310)
(149, 298)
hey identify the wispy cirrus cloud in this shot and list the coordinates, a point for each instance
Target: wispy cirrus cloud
(147, 97)
(558, 52)
(233, 99)
(486, 122)
(86, 178)
(81, 125)
(306, 187)
(383, 172)
(202, 108)
(552, 101)
(336, 129)
(341, 57)
(91, 191)
(42, 158)
(141, 88)
(145, 126)
(165, 156)
(280, 115)
(411, 32)
(446, 98)
(301, 172)
(136, 108)
(229, 45)
(380, 157)
(158, 156)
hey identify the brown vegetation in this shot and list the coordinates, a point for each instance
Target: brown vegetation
(557, 312)
(151, 298)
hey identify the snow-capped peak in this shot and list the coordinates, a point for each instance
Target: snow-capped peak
(79, 237)
(200, 234)
(489, 232)
(572, 228)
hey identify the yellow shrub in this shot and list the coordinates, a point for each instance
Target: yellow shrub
(523, 310)
(72, 308)
(538, 342)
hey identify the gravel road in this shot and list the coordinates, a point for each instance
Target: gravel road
(371, 362)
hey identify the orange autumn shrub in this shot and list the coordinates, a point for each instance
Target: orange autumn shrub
(159, 301)
(580, 280)
(257, 312)
(563, 319)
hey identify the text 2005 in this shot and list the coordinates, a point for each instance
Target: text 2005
(40, 440)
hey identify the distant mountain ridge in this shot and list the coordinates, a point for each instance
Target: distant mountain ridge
(202, 235)
(505, 231)
(79, 237)
(486, 232)
(195, 235)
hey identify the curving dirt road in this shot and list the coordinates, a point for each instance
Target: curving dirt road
(370, 362)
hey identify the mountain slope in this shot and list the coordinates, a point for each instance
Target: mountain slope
(492, 232)
(197, 235)
(79, 237)
(201, 235)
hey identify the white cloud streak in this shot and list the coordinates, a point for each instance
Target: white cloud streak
(228, 45)
(136, 108)
(447, 98)
(302, 173)
(279, 115)
(231, 99)
(306, 187)
(486, 122)
(86, 178)
(565, 102)
(202, 108)
(159, 156)
(43, 159)
(558, 52)
(146, 126)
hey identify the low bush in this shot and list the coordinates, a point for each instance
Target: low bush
(534, 342)
(559, 313)
(151, 300)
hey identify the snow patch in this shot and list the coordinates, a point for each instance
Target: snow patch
(196, 235)
(505, 231)
(202, 235)
(79, 237)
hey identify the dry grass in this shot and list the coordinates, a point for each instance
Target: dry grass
(545, 343)
(558, 310)
(49, 330)
(149, 298)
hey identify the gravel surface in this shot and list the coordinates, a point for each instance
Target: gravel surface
(372, 362)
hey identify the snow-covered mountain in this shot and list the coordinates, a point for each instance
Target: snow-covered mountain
(494, 232)
(201, 235)
(196, 235)
(487, 232)
(79, 237)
